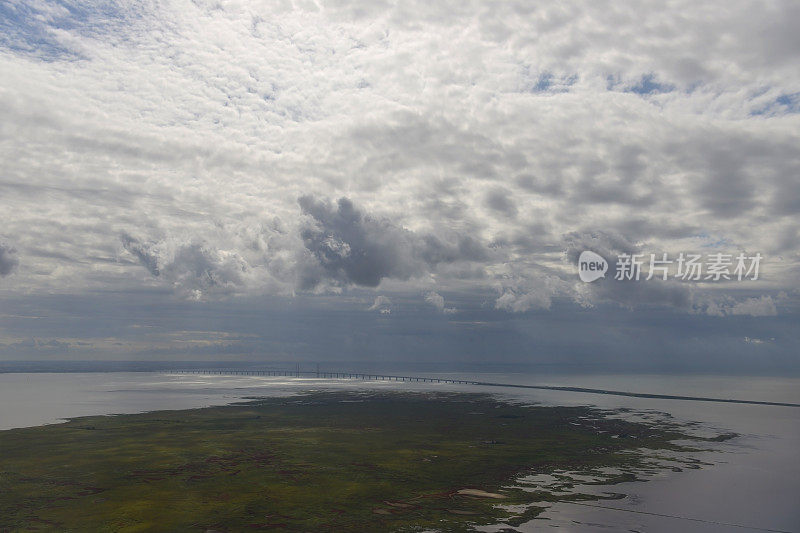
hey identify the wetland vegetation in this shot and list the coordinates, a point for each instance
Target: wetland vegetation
(323, 461)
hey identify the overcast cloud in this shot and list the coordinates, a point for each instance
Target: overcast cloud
(453, 155)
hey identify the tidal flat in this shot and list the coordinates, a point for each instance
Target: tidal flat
(328, 461)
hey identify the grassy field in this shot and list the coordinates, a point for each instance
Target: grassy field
(322, 461)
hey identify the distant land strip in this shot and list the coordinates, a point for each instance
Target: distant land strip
(385, 377)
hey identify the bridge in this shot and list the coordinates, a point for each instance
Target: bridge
(325, 375)
(297, 373)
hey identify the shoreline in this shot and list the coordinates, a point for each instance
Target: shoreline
(449, 443)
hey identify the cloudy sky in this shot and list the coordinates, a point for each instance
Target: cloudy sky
(322, 181)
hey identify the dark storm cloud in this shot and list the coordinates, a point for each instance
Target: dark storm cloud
(193, 268)
(628, 294)
(352, 247)
(205, 265)
(8, 260)
(359, 249)
(142, 252)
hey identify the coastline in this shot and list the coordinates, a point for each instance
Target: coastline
(392, 459)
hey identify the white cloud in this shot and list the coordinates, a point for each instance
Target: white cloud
(382, 305)
(753, 340)
(763, 306)
(477, 143)
(437, 301)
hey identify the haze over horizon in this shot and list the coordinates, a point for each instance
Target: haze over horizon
(366, 181)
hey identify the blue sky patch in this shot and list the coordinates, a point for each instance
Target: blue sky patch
(546, 82)
(28, 29)
(648, 84)
(782, 105)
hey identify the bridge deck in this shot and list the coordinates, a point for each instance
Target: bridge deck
(425, 379)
